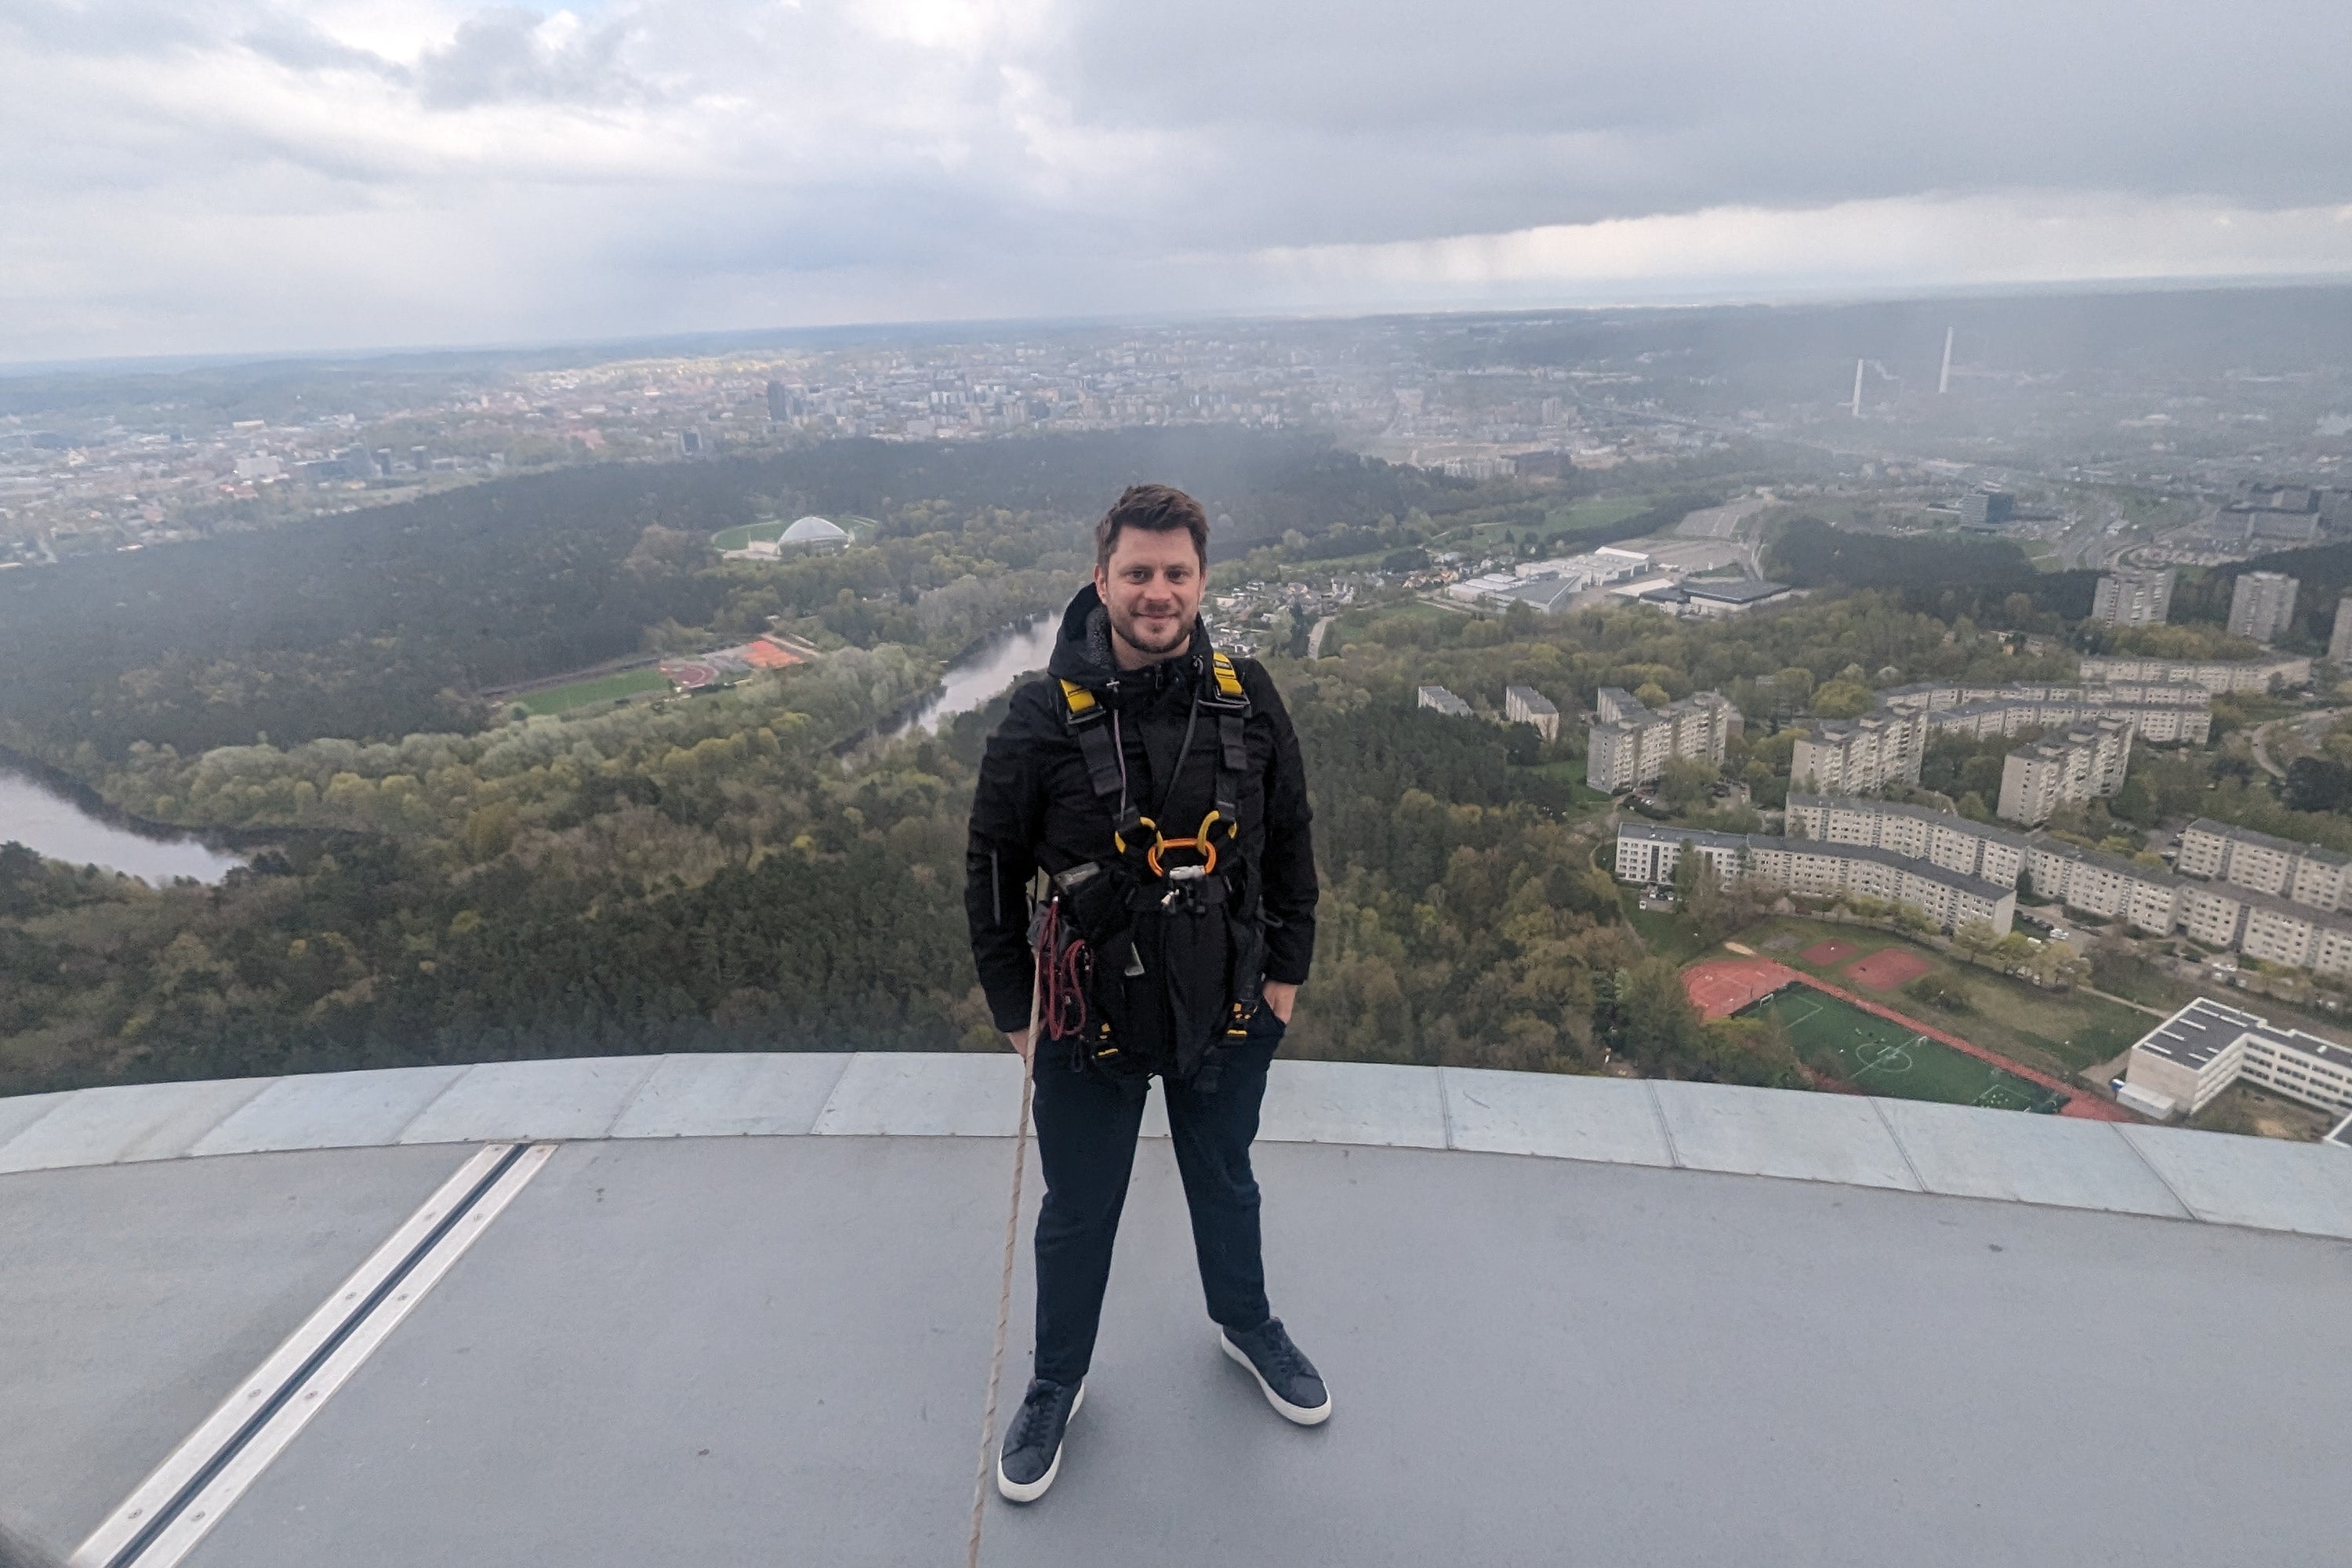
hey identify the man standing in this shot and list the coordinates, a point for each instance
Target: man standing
(1157, 784)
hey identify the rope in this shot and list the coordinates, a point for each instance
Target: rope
(1005, 1279)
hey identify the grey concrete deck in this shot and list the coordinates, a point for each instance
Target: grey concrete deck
(745, 1316)
(1900, 1144)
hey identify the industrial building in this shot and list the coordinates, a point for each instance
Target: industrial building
(1629, 744)
(2179, 1067)
(2262, 604)
(2132, 599)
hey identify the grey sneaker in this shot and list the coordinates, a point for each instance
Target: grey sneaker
(1292, 1384)
(1032, 1455)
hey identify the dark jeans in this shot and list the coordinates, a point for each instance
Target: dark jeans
(1087, 1127)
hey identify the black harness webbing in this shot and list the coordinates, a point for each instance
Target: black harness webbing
(1098, 745)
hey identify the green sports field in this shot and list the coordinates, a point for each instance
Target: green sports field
(601, 688)
(1878, 1056)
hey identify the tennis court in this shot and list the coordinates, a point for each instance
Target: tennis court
(1878, 1056)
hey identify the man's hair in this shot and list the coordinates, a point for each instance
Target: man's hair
(1155, 508)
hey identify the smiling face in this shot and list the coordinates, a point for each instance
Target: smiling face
(1151, 586)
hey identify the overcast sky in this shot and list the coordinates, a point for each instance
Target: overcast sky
(233, 175)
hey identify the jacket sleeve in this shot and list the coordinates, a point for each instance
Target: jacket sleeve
(1000, 859)
(1288, 868)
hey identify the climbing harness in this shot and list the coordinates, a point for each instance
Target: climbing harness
(1120, 910)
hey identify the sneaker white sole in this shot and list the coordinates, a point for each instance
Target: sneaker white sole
(1017, 1491)
(1301, 1414)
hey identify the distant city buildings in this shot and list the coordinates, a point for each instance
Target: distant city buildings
(2339, 641)
(1526, 705)
(1629, 744)
(2132, 599)
(2262, 604)
(1987, 506)
(2181, 1065)
(1438, 700)
(2075, 765)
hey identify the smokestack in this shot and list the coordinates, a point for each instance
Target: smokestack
(1857, 388)
(1944, 380)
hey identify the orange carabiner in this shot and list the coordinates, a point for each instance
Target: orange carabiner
(1199, 843)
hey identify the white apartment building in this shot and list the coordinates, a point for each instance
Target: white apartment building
(2088, 760)
(1915, 832)
(2339, 641)
(1526, 705)
(2108, 886)
(2181, 1064)
(1818, 868)
(1629, 746)
(1847, 756)
(2132, 599)
(2221, 676)
(2262, 604)
(2159, 711)
(2303, 873)
(2150, 899)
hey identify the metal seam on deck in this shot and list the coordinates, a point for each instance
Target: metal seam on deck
(130, 1537)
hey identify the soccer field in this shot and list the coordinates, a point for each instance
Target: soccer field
(1879, 1056)
(599, 688)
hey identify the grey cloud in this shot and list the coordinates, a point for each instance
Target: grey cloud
(498, 56)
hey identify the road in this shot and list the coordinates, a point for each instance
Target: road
(2307, 722)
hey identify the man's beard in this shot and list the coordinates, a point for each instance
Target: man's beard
(1131, 632)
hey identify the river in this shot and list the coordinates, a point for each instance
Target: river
(976, 679)
(48, 821)
(52, 823)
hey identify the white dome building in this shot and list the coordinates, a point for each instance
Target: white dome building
(814, 533)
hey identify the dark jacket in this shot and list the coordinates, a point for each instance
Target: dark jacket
(1035, 806)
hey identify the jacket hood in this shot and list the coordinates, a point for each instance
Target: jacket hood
(1082, 651)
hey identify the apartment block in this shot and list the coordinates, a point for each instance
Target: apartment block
(1917, 832)
(2108, 886)
(2166, 713)
(2191, 1058)
(2132, 599)
(2221, 676)
(1526, 705)
(2339, 641)
(1440, 700)
(2262, 604)
(1629, 744)
(2149, 898)
(1647, 852)
(2087, 761)
(2302, 873)
(1847, 756)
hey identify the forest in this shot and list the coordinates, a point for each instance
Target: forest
(446, 880)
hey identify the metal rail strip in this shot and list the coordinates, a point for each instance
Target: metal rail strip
(161, 1520)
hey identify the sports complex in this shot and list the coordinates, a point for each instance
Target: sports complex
(1865, 1046)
